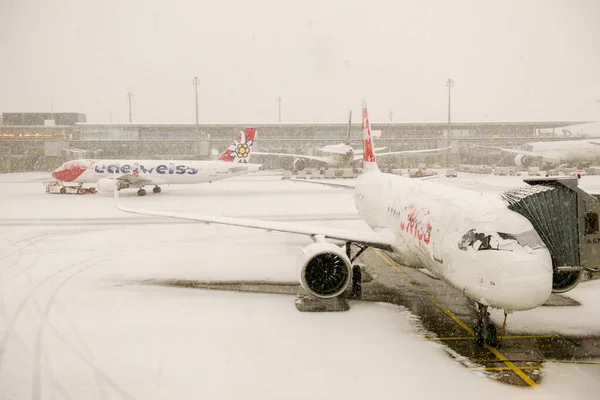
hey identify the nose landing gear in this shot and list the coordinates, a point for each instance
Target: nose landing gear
(485, 331)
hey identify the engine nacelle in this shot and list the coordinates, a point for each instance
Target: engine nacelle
(522, 160)
(563, 281)
(325, 270)
(299, 164)
(108, 185)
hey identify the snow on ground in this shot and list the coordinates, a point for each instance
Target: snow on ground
(76, 323)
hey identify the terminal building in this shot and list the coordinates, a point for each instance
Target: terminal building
(42, 141)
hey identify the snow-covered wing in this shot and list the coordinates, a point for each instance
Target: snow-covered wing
(373, 239)
(334, 185)
(322, 159)
(532, 154)
(375, 150)
(396, 153)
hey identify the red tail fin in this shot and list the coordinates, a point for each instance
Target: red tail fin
(369, 162)
(239, 151)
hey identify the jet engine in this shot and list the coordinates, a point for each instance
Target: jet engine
(108, 185)
(325, 270)
(299, 164)
(522, 160)
(563, 281)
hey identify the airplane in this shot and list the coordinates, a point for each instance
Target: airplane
(471, 241)
(124, 174)
(580, 153)
(342, 154)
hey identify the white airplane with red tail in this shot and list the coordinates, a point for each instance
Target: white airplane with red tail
(469, 240)
(139, 173)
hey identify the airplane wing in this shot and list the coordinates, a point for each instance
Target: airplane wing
(133, 179)
(316, 158)
(513, 151)
(379, 240)
(375, 150)
(396, 153)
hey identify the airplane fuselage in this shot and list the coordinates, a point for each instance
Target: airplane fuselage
(159, 171)
(572, 151)
(432, 228)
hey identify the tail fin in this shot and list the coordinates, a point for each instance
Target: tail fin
(369, 162)
(239, 151)
(348, 132)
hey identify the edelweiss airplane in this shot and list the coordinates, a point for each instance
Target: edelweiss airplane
(139, 173)
(573, 152)
(341, 155)
(469, 240)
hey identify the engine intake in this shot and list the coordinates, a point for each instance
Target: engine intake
(563, 281)
(299, 164)
(325, 270)
(522, 160)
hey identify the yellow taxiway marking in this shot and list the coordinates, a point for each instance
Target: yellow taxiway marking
(499, 337)
(507, 368)
(499, 355)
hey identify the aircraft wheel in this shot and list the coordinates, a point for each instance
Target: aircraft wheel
(156, 189)
(63, 191)
(491, 336)
(141, 192)
(356, 281)
(479, 335)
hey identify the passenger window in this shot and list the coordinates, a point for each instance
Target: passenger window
(591, 223)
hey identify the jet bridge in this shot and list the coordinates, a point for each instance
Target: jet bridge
(566, 218)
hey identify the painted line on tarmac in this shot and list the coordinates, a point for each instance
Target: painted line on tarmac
(499, 337)
(494, 351)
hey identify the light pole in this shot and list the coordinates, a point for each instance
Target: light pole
(195, 83)
(391, 115)
(129, 96)
(449, 84)
(279, 100)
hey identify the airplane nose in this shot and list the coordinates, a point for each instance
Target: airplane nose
(531, 283)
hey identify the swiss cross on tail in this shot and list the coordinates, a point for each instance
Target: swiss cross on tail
(368, 154)
(239, 151)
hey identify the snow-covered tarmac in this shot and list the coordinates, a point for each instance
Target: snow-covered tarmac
(75, 322)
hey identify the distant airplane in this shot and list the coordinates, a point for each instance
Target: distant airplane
(341, 155)
(124, 174)
(469, 240)
(579, 153)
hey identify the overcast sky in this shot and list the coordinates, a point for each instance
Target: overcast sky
(510, 60)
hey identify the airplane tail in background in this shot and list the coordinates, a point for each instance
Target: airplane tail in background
(239, 151)
(369, 162)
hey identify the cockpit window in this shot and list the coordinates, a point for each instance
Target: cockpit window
(477, 240)
(483, 241)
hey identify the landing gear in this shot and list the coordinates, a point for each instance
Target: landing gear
(485, 331)
(141, 192)
(356, 290)
(156, 189)
(356, 286)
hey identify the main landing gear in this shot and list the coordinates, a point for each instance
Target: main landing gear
(485, 331)
(142, 191)
(356, 286)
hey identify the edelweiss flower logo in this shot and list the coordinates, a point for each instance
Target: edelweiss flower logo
(241, 148)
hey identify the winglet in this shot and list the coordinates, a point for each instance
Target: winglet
(369, 162)
(239, 151)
